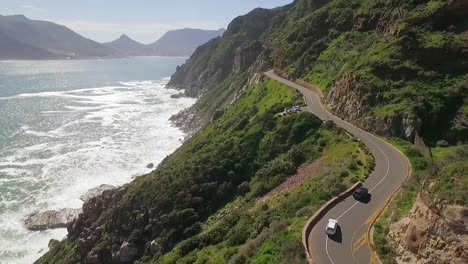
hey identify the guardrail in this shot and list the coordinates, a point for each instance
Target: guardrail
(318, 216)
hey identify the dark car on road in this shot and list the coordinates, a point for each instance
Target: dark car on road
(361, 193)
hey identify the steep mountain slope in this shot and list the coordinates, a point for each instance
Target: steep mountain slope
(395, 67)
(217, 69)
(51, 37)
(129, 47)
(401, 64)
(244, 154)
(11, 49)
(182, 42)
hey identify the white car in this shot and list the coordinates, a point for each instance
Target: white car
(331, 227)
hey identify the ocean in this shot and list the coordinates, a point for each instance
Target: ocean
(69, 126)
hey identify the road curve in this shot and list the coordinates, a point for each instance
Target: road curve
(351, 244)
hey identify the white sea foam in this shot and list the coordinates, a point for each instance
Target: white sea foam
(117, 132)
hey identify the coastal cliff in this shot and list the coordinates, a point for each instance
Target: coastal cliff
(396, 68)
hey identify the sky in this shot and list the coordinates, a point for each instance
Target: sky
(142, 20)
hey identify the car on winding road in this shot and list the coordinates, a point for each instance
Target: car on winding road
(361, 193)
(331, 227)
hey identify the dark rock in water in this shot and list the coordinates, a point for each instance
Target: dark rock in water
(96, 192)
(51, 219)
(150, 166)
(177, 96)
(53, 243)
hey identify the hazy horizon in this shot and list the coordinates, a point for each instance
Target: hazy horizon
(142, 21)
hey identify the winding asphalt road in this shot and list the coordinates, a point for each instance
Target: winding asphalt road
(351, 244)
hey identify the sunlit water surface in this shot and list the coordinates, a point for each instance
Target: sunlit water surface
(68, 126)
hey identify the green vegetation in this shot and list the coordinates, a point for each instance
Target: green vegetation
(409, 62)
(202, 203)
(444, 178)
(403, 201)
(210, 201)
(451, 177)
(65, 252)
(398, 57)
(268, 230)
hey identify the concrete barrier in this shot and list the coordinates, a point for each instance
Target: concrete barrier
(318, 216)
(311, 87)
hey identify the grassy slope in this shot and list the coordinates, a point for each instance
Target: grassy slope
(321, 47)
(409, 66)
(269, 230)
(236, 159)
(321, 44)
(446, 176)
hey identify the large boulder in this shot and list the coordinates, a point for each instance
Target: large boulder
(155, 248)
(53, 243)
(127, 253)
(51, 219)
(92, 193)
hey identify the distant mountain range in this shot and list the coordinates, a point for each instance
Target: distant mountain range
(23, 38)
(129, 47)
(182, 42)
(11, 49)
(44, 39)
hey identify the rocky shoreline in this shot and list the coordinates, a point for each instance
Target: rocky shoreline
(53, 219)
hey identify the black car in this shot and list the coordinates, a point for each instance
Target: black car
(360, 193)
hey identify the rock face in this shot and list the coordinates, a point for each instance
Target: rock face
(431, 234)
(96, 192)
(251, 58)
(351, 101)
(206, 72)
(246, 55)
(154, 247)
(196, 79)
(127, 253)
(53, 243)
(51, 219)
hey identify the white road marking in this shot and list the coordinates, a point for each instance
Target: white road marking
(338, 218)
(326, 249)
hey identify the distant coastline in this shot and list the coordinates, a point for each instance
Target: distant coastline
(22, 38)
(94, 59)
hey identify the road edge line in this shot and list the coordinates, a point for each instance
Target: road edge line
(370, 229)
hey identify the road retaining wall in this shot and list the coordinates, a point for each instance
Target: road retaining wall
(300, 82)
(319, 215)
